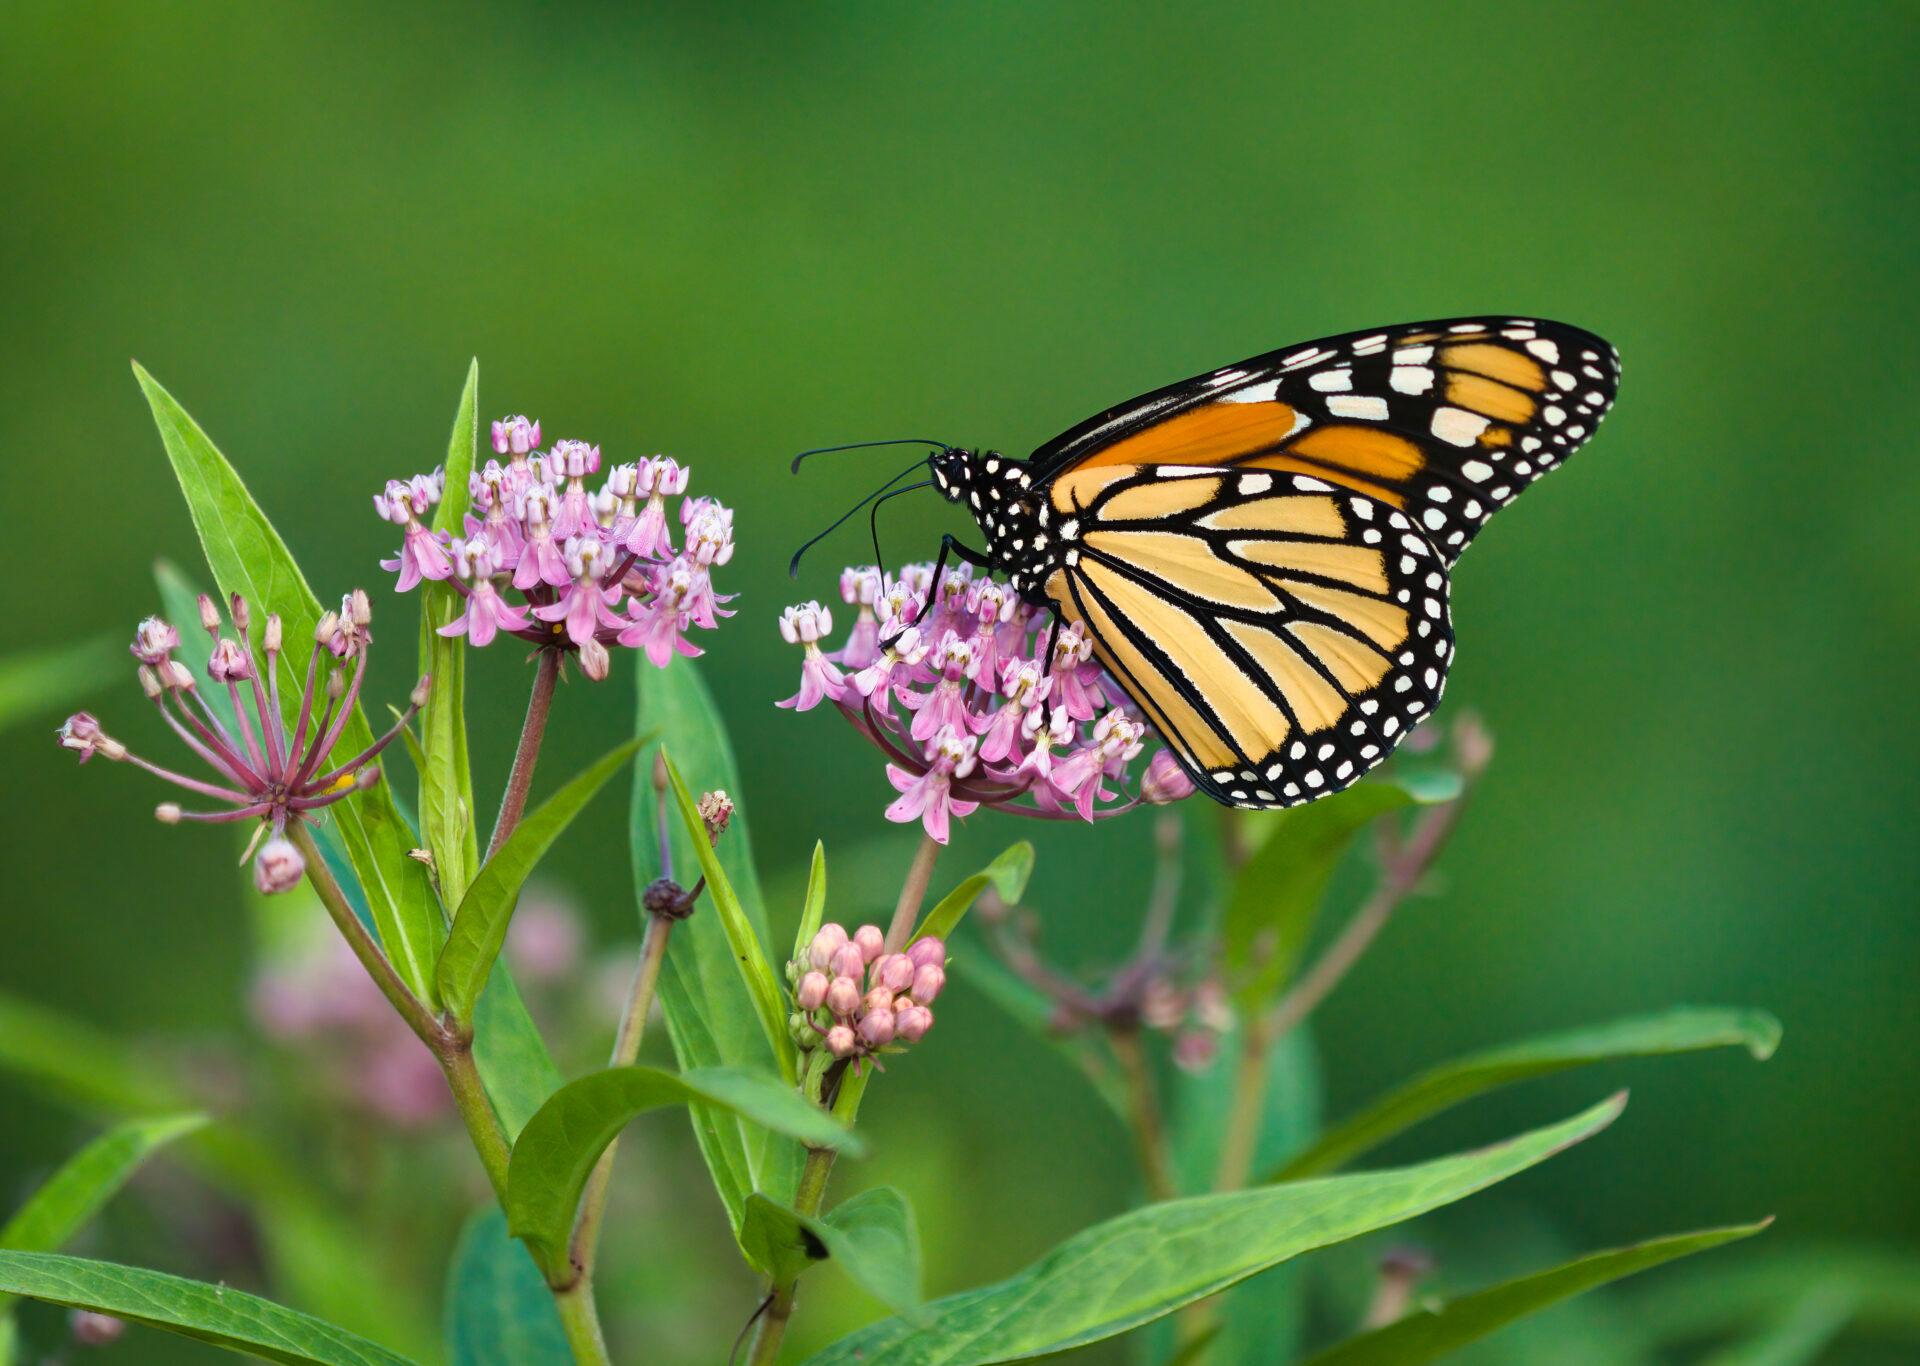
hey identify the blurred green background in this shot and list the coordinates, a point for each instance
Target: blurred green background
(731, 232)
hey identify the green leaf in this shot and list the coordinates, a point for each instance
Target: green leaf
(514, 1063)
(1261, 1321)
(1127, 1271)
(90, 1178)
(499, 1310)
(480, 925)
(710, 1017)
(1683, 1030)
(248, 557)
(749, 951)
(813, 910)
(446, 777)
(1007, 875)
(313, 1254)
(558, 1148)
(1427, 1334)
(210, 1313)
(872, 1237)
(1276, 899)
(52, 680)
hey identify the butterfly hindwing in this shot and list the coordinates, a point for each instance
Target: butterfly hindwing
(1445, 421)
(1282, 633)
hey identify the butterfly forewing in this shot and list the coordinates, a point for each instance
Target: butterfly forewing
(1443, 421)
(1281, 632)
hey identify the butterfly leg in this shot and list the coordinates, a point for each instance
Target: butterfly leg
(1046, 669)
(979, 559)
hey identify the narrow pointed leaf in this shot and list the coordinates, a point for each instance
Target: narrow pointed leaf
(1134, 1269)
(446, 777)
(1007, 875)
(749, 952)
(710, 1017)
(813, 910)
(1276, 898)
(872, 1237)
(1429, 1334)
(1675, 1031)
(87, 1180)
(248, 557)
(499, 1310)
(558, 1148)
(215, 1314)
(480, 925)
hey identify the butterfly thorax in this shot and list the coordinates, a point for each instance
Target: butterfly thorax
(1011, 511)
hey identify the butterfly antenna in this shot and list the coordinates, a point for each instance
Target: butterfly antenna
(873, 520)
(863, 445)
(793, 565)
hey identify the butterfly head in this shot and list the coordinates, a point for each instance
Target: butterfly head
(956, 471)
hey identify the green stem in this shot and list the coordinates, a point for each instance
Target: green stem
(455, 1053)
(626, 1047)
(581, 1323)
(913, 894)
(1149, 1135)
(520, 780)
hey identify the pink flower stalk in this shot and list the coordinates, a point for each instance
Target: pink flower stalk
(551, 562)
(261, 768)
(857, 1001)
(977, 698)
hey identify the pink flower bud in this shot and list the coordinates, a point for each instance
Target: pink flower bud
(928, 949)
(237, 609)
(274, 633)
(278, 867)
(827, 941)
(92, 1329)
(871, 941)
(812, 992)
(840, 1041)
(928, 979)
(595, 662)
(876, 1028)
(843, 996)
(878, 999)
(894, 972)
(848, 962)
(1165, 781)
(209, 614)
(168, 813)
(421, 691)
(911, 1025)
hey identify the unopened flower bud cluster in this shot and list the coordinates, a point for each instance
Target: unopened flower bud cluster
(854, 999)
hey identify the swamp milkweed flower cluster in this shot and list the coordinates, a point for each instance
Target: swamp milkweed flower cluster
(977, 699)
(548, 561)
(855, 999)
(261, 768)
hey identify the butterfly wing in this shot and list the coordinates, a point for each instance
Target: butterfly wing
(1445, 422)
(1283, 634)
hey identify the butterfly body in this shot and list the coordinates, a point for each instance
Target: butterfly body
(1260, 555)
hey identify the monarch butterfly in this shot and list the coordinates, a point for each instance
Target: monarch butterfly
(1260, 554)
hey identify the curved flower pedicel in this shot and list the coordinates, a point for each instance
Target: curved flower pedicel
(977, 699)
(547, 561)
(267, 771)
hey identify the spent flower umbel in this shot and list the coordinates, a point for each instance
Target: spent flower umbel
(261, 767)
(545, 560)
(977, 698)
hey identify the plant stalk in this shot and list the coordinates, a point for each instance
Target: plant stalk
(1156, 1164)
(581, 1323)
(913, 894)
(513, 802)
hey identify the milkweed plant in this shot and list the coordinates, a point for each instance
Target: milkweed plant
(420, 967)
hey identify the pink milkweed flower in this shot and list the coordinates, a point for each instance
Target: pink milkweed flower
(259, 768)
(486, 612)
(1040, 704)
(820, 678)
(587, 604)
(928, 796)
(860, 589)
(1166, 780)
(583, 573)
(654, 480)
(515, 436)
(422, 554)
(952, 661)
